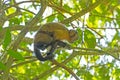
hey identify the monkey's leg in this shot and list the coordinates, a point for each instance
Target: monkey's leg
(54, 45)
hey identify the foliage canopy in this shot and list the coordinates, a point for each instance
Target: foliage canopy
(95, 56)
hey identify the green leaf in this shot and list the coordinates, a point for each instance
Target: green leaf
(66, 7)
(11, 11)
(50, 18)
(1, 28)
(90, 39)
(14, 21)
(15, 54)
(7, 39)
(60, 17)
(2, 66)
(116, 37)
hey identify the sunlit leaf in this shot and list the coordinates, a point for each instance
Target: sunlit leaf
(7, 39)
(90, 39)
(11, 10)
(2, 66)
(60, 17)
(51, 18)
(15, 54)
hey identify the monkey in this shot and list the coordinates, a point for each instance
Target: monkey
(51, 35)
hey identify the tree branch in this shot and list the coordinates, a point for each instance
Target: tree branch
(54, 68)
(66, 68)
(84, 11)
(82, 51)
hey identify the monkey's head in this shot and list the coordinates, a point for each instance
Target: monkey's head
(73, 35)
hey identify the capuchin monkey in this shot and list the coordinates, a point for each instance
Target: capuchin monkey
(52, 35)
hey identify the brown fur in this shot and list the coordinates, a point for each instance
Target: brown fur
(60, 32)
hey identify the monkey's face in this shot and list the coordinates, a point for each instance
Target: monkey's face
(73, 35)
